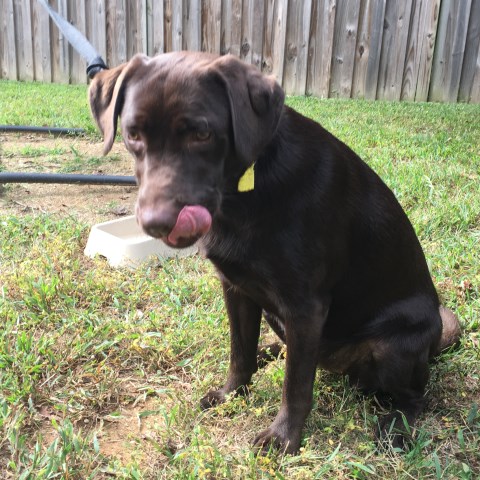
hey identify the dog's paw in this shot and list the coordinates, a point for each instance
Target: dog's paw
(212, 399)
(217, 397)
(393, 431)
(275, 438)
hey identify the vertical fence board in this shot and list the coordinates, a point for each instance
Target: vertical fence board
(177, 25)
(231, 34)
(116, 33)
(149, 28)
(449, 50)
(4, 72)
(373, 69)
(167, 26)
(41, 43)
(344, 43)
(321, 47)
(475, 90)
(409, 70)
(9, 54)
(426, 45)
(63, 46)
(143, 25)
(274, 38)
(247, 31)
(296, 53)
(211, 25)
(60, 55)
(155, 27)
(430, 26)
(472, 46)
(192, 25)
(258, 33)
(57, 52)
(419, 56)
(135, 19)
(367, 53)
(252, 32)
(394, 47)
(23, 34)
(97, 25)
(77, 64)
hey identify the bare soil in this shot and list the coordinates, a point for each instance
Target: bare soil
(44, 153)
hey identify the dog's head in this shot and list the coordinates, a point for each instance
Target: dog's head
(194, 123)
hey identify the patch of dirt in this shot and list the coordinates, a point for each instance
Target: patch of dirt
(126, 436)
(44, 153)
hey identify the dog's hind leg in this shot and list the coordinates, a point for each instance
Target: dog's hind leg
(405, 383)
(451, 331)
(276, 325)
(406, 377)
(269, 353)
(275, 350)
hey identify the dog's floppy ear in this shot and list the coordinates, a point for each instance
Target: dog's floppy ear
(106, 100)
(106, 95)
(256, 103)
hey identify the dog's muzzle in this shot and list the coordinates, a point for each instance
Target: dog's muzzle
(176, 230)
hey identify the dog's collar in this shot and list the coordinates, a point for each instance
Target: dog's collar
(247, 180)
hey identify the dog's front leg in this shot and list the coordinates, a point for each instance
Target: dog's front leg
(303, 339)
(244, 316)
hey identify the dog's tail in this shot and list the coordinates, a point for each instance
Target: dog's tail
(451, 331)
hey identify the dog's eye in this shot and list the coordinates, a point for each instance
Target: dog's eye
(203, 136)
(133, 136)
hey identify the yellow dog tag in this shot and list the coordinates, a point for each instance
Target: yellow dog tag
(247, 181)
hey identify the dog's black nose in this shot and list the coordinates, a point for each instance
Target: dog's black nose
(157, 222)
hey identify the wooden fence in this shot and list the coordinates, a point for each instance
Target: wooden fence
(376, 49)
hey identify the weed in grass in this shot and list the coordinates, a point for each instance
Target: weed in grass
(65, 457)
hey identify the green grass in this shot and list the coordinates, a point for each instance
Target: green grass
(81, 342)
(44, 105)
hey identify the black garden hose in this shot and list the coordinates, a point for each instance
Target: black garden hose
(66, 178)
(50, 130)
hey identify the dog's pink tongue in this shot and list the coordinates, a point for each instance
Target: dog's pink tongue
(192, 221)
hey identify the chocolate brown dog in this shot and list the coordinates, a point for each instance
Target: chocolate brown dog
(297, 225)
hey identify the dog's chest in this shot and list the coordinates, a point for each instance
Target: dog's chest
(252, 266)
(256, 283)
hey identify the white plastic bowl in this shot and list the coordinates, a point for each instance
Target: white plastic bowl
(123, 243)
